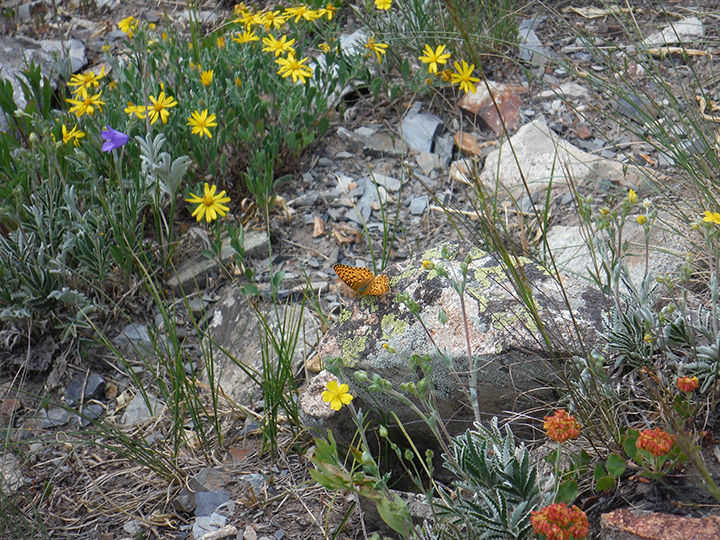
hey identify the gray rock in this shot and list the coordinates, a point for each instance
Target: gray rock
(194, 273)
(133, 528)
(686, 31)
(56, 417)
(203, 16)
(255, 480)
(206, 524)
(354, 44)
(531, 48)
(429, 161)
(388, 182)
(234, 328)
(79, 388)
(353, 215)
(566, 90)
(134, 337)
(11, 478)
(665, 159)
(198, 306)
(546, 158)
(203, 481)
(365, 132)
(91, 413)
(444, 147)
(383, 145)
(638, 108)
(110, 4)
(16, 53)
(694, 146)
(344, 182)
(666, 249)
(592, 145)
(138, 411)
(418, 205)
(419, 130)
(208, 502)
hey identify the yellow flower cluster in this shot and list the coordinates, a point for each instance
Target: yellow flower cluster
(82, 101)
(272, 18)
(462, 75)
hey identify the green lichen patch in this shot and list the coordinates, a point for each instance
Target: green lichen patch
(352, 348)
(344, 316)
(506, 319)
(476, 253)
(482, 275)
(434, 253)
(392, 326)
(406, 274)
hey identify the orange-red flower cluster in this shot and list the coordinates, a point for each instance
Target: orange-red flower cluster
(688, 384)
(655, 441)
(561, 427)
(560, 522)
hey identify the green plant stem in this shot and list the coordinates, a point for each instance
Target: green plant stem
(471, 362)
(558, 478)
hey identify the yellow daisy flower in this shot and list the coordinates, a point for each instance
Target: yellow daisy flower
(128, 25)
(378, 48)
(159, 107)
(290, 66)
(200, 122)
(434, 57)
(712, 217)
(206, 77)
(86, 81)
(73, 135)
(464, 77)
(280, 46)
(86, 104)
(209, 205)
(246, 37)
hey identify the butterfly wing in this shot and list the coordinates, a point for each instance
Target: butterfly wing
(354, 277)
(380, 285)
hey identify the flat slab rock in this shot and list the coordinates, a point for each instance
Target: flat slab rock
(627, 525)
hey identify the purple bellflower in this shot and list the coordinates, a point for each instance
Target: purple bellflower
(113, 139)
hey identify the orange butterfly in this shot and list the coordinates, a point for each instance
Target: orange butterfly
(362, 281)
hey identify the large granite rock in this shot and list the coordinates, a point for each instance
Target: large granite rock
(513, 359)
